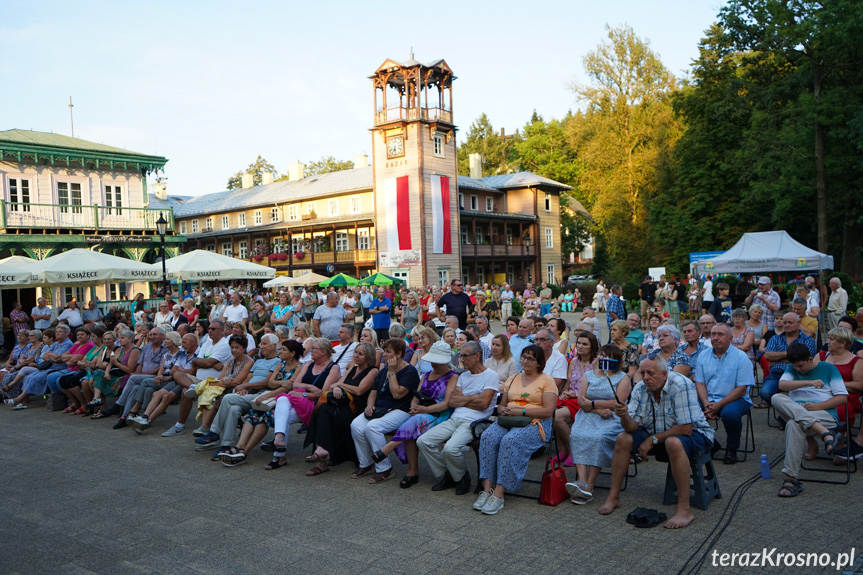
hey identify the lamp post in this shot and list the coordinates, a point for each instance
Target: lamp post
(161, 228)
(526, 240)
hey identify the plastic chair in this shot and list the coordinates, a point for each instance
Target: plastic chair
(703, 483)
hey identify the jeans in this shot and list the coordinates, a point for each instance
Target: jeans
(545, 309)
(369, 437)
(130, 390)
(732, 418)
(770, 387)
(53, 377)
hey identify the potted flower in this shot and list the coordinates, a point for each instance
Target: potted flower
(299, 255)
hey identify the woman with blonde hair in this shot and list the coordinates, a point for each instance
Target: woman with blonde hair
(424, 338)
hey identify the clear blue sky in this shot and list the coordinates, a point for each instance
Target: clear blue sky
(210, 85)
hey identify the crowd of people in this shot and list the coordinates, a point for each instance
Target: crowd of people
(371, 374)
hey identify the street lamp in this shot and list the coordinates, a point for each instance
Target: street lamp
(161, 228)
(526, 240)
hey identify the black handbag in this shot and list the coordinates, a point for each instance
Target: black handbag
(117, 372)
(43, 365)
(424, 399)
(379, 412)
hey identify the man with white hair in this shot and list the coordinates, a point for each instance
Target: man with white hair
(767, 298)
(506, 296)
(555, 362)
(149, 361)
(837, 303)
(236, 311)
(41, 314)
(485, 336)
(663, 418)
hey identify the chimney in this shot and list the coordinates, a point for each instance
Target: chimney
(248, 180)
(475, 166)
(268, 178)
(296, 171)
(161, 189)
(361, 161)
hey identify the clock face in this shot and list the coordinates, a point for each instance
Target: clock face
(395, 146)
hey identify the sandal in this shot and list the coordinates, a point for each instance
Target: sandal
(409, 480)
(79, 411)
(830, 446)
(99, 415)
(360, 471)
(381, 477)
(378, 456)
(69, 409)
(274, 464)
(761, 405)
(314, 458)
(268, 447)
(792, 486)
(317, 470)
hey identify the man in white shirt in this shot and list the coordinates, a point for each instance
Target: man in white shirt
(707, 293)
(472, 399)
(343, 354)
(485, 336)
(555, 362)
(506, 296)
(434, 312)
(236, 311)
(41, 314)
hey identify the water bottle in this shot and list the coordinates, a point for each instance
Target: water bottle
(765, 467)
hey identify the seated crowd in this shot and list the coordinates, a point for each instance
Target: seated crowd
(368, 380)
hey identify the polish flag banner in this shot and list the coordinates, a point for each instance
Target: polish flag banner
(441, 226)
(397, 202)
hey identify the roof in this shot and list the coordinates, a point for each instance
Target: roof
(310, 187)
(474, 184)
(522, 180)
(47, 145)
(171, 202)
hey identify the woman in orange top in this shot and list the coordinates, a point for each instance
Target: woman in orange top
(504, 453)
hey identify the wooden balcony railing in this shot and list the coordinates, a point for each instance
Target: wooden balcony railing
(398, 113)
(76, 216)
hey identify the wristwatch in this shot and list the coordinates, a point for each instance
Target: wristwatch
(306, 394)
(655, 440)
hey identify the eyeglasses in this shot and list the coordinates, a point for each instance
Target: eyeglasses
(457, 285)
(538, 339)
(706, 322)
(467, 355)
(528, 358)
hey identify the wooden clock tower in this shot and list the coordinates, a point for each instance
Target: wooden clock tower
(415, 172)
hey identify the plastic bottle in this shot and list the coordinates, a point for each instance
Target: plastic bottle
(765, 467)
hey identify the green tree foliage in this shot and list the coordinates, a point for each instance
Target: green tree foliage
(326, 165)
(543, 149)
(624, 140)
(482, 139)
(575, 231)
(258, 167)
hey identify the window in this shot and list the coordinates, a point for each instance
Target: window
(275, 216)
(474, 203)
(243, 248)
(443, 277)
(464, 236)
(509, 237)
(489, 204)
(69, 194)
(355, 205)
(477, 236)
(510, 274)
(341, 242)
(19, 192)
(241, 219)
(194, 226)
(114, 198)
(465, 279)
(208, 225)
(227, 250)
(310, 208)
(363, 239)
(480, 275)
(77, 293)
(549, 273)
(334, 207)
(259, 217)
(461, 201)
(279, 246)
(225, 223)
(117, 291)
(297, 243)
(402, 275)
(211, 248)
(438, 146)
(292, 212)
(549, 238)
(547, 202)
(182, 227)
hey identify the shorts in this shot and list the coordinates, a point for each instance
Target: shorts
(571, 404)
(694, 445)
(173, 387)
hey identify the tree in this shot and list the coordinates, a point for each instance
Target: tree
(326, 165)
(257, 168)
(623, 139)
(482, 139)
(543, 149)
(575, 230)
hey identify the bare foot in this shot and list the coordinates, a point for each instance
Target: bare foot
(680, 520)
(609, 506)
(811, 449)
(279, 444)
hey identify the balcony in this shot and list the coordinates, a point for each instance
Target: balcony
(79, 217)
(322, 258)
(497, 250)
(400, 113)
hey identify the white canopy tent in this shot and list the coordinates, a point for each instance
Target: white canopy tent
(306, 279)
(204, 265)
(80, 267)
(766, 252)
(15, 271)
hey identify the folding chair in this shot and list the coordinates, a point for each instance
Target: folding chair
(845, 469)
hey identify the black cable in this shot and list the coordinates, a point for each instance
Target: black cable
(733, 504)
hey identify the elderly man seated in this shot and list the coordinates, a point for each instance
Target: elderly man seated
(723, 377)
(555, 362)
(235, 405)
(663, 416)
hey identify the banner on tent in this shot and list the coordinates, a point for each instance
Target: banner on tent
(698, 256)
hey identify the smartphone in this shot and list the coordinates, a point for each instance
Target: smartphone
(606, 364)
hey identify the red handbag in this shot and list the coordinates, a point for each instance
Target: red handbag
(553, 491)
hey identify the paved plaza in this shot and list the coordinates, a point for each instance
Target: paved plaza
(78, 497)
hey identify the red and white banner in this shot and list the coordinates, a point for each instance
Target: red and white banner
(441, 226)
(398, 217)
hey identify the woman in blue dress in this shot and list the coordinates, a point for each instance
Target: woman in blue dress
(596, 427)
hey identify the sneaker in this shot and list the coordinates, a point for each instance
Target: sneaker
(20, 406)
(139, 423)
(201, 432)
(174, 430)
(492, 505)
(9, 401)
(209, 441)
(856, 451)
(190, 393)
(480, 501)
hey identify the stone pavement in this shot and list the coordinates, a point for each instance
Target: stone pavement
(78, 497)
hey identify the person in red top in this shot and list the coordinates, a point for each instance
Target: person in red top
(390, 294)
(424, 299)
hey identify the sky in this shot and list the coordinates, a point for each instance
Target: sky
(211, 85)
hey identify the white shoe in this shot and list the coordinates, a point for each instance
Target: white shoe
(190, 393)
(480, 501)
(492, 505)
